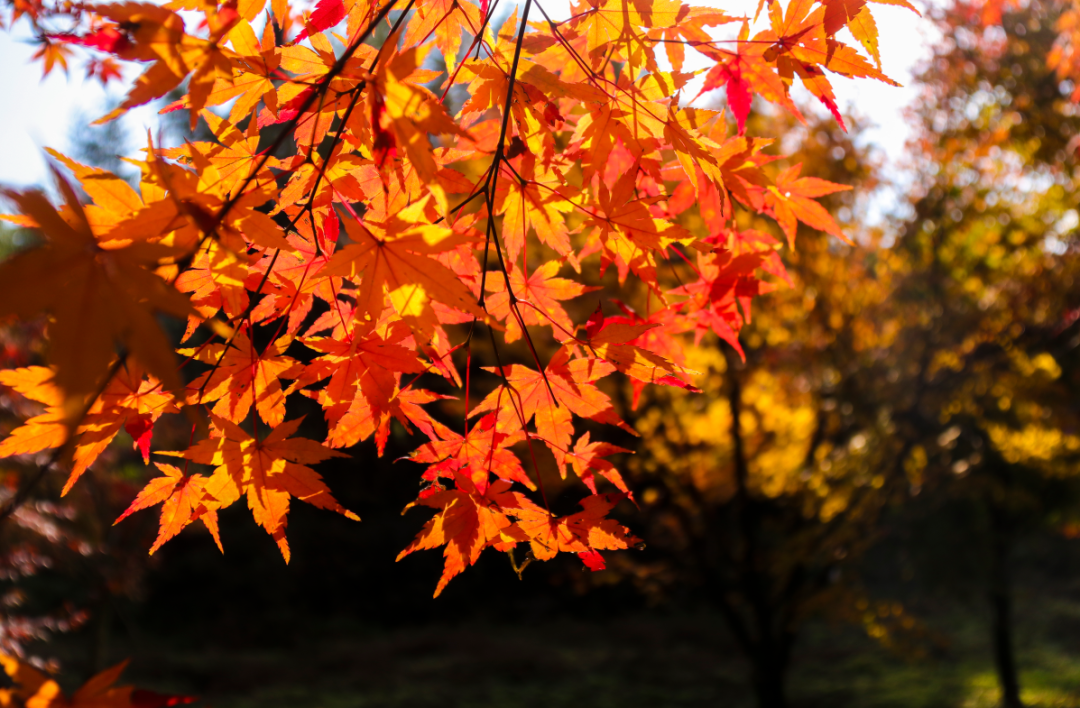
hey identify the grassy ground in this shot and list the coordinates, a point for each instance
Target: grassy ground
(245, 631)
(639, 660)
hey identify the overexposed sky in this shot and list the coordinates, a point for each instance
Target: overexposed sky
(44, 113)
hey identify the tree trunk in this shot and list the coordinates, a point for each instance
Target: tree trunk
(769, 672)
(768, 652)
(1001, 608)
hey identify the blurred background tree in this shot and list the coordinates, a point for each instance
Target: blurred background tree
(986, 356)
(931, 369)
(765, 490)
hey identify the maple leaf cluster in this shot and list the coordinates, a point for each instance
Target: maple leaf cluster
(346, 237)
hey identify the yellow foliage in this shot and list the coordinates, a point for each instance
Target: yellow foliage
(1036, 445)
(690, 437)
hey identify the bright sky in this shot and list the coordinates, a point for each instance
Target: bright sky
(43, 113)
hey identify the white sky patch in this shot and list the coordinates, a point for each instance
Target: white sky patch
(43, 113)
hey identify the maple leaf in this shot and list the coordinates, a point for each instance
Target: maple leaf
(587, 460)
(100, 294)
(243, 376)
(468, 521)
(482, 451)
(132, 402)
(566, 388)
(327, 13)
(128, 402)
(269, 472)
(183, 500)
(791, 198)
(394, 258)
(105, 70)
(362, 419)
(52, 54)
(656, 334)
(613, 341)
(538, 299)
(630, 233)
(40, 432)
(585, 532)
(363, 391)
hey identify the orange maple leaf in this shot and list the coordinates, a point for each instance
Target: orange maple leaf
(482, 451)
(587, 460)
(100, 293)
(470, 520)
(364, 390)
(269, 472)
(243, 376)
(566, 388)
(394, 258)
(791, 199)
(538, 299)
(128, 402)
(584, 533)
(183, 500)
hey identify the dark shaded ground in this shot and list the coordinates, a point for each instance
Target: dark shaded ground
(344, 626)
(636, 660)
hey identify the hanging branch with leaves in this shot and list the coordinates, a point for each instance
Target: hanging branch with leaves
(345, 237)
